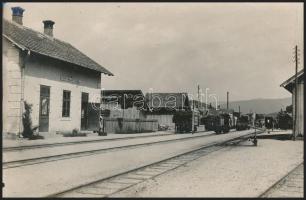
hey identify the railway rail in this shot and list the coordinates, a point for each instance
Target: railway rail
(32, 161)
(106, 187)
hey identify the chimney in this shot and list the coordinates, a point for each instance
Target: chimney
(17, 14)
(48, 27)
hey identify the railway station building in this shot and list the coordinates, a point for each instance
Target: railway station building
(299, 104)
(58, 80)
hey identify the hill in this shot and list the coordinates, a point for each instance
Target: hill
(261, 106)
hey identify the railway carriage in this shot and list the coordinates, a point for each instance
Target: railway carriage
(218, 123)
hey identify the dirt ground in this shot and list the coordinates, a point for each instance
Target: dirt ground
(236, 171)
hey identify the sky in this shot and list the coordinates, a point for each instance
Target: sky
(244, 48)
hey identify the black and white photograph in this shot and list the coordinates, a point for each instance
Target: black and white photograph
(152, 99)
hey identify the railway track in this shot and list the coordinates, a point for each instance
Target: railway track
(108, 186)
(27, 147)
(38, 160)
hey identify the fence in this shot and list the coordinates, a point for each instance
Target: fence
(121, 125)
(162, 119)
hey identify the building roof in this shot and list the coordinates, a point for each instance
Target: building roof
(167, 100)
(40, 43)
(112, 92)
(289, 83)
(126, 98)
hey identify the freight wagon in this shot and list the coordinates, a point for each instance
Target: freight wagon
(218, 123)
(184, 122)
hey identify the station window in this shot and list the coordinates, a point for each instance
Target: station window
(66, 103)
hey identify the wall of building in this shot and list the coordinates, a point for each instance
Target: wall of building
(11, 79)
(300, 108)
(59, 76)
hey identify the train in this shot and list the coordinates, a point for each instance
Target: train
(284, 121)
(186, 121)
(208, 121)
(220, 123)
(270, 122)
(243, 123)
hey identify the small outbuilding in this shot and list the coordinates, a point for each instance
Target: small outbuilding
(298, 105)
(162, 106)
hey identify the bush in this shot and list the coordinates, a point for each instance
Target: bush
(75, 131)
(28, 129)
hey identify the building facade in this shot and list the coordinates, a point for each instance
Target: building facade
(59, 81)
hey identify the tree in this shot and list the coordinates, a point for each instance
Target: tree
(289, 109)
(28, 129)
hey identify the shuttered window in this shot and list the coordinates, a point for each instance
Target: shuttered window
(66, 103)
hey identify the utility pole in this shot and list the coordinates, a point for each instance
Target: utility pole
(198, 95)
(123, 106)
(193, 114)
(192, 120)
(295, 92)
(101, 117)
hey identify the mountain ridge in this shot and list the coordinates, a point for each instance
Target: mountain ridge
(259, 105)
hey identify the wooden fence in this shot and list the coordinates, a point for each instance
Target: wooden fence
(121, 125)
(162, 119)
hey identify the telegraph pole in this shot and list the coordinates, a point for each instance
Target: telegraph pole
(198, 95)
(123, 106)
(295, 92)
(192, 120)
